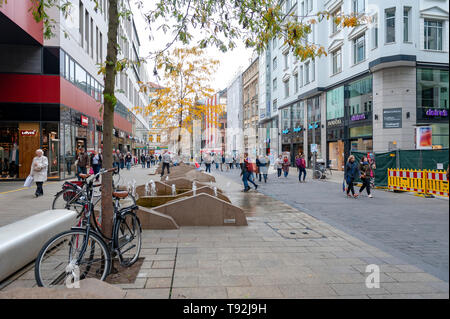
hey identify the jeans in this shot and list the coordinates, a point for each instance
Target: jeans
(96, 169)
(217, 165)
(279, 172)
(148, 164)
(366, 185)
(165, 165)
(350, 186)
(208, 168)
(117, 165)
(69, 167)
(265, 177)
(286, 173)
(81, 170)
(122, 164)
(39, 190)
(128, 165)
(302, 171)
(250, 178)
(143, 164)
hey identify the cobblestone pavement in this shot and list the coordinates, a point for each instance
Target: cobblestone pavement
(282, 253)
(411, 228)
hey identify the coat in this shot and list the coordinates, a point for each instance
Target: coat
(264, 165)
(278, 163)
(286, 165)
(39, 168)
(351, 171)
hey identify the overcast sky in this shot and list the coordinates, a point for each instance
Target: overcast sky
(230, 62)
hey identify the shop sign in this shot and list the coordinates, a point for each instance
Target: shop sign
(334, 122)
(392, 118)
(28, 132)
(286, 131)
(297, 129)
(358, 117)
(313, 148)
(84, 120)
(424, 138)
(434, 112)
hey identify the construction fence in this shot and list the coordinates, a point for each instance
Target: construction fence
(418, 160)
(427, 182)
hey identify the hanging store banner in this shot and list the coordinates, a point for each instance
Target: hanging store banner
(424, 138)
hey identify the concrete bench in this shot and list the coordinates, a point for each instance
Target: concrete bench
(20, 242)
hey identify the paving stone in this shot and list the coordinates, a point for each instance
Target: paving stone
(358, 289)
(306, 290)
(254, 292)
(159, 293)
(199, 293)
(186, 281)
(139, 283)
(154, 272)
(225, 281)
(412, 277)
(163, 264)
(162, 282)
(412, 288)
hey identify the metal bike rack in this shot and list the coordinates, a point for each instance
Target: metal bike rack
(20, 242)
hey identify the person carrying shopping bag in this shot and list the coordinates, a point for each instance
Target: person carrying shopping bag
(39, 171)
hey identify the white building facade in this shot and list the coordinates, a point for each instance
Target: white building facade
(378, 82)
(234, 133)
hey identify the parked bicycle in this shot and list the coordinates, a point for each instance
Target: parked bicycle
(84, 251)
(321, 171)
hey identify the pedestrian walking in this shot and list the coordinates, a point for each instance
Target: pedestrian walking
(143, 161)
(222, 162)
(208, 160)
(350, 174)
(128, 159)
(279, 165)
(301, 166)
(229, 162)
(96, 163)
(122, 160)
(263, 167)
(166, 159)
(148, 160)
(82, 163)
(285, 166)
(366, 171)
(116, 160)
(38, 171)
(246, 172)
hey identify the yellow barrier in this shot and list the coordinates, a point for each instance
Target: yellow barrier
(420, 181)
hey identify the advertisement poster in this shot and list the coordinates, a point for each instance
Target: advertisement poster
(424, 138)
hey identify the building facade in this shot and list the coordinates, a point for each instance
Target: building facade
(379, 82)
(234, 133)
(250, 110)
(51, 93)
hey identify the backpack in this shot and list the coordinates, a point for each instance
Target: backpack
(298, 162)
(302, 163)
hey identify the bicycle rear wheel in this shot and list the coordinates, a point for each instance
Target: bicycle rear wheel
(56, 264)
(317, 174)
(127, 238)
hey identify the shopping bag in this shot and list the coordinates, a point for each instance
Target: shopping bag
(28, 181)
(91, 171)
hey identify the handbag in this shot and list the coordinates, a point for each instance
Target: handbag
(28, 181)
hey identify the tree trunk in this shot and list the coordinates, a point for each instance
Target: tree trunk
(108, 117)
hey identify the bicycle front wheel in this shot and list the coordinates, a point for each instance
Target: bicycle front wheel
(68, 199)
(57, 263)
(317, 174)
(127, 238)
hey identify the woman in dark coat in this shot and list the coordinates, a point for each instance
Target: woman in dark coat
(351, 173)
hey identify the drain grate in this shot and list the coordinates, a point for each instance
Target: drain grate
(284, 231)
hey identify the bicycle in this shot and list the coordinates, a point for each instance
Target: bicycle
(321, 172)
(84, 251)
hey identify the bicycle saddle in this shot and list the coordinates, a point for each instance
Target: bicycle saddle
(84, 176)
(120, 194)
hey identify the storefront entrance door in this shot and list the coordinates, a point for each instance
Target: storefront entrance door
(29, 142)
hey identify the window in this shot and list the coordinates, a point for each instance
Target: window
(406, 26)
(286, 88)
(335, 103)
(337, 61)
(359, 49)
(302, 9)
(274, 63)
(275, 104)
(306, 73)
(313, 71)
(97, 40)
(296, 82)
(310, 5)
(375, 32)
(80, 27)
(86, 30)
(358, 6)
(275, 84)
(101, 47)
(286, 60)
(158, 138)
(335, 27)
(301, 76)
(92, 38)
(80, 77)
(433, 35)
(274, 43)
(389, 15)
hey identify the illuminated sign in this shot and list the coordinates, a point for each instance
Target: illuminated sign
(431, 112)
(84, 120)
(297, 129)
(358, 117)
(28, 132)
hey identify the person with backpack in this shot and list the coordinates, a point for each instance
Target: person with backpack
(301, 166)
(128, 159)
(82, 163)
(365, 168)
(350, 174)
(285, 166)
(143, 160)
(246, 171)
